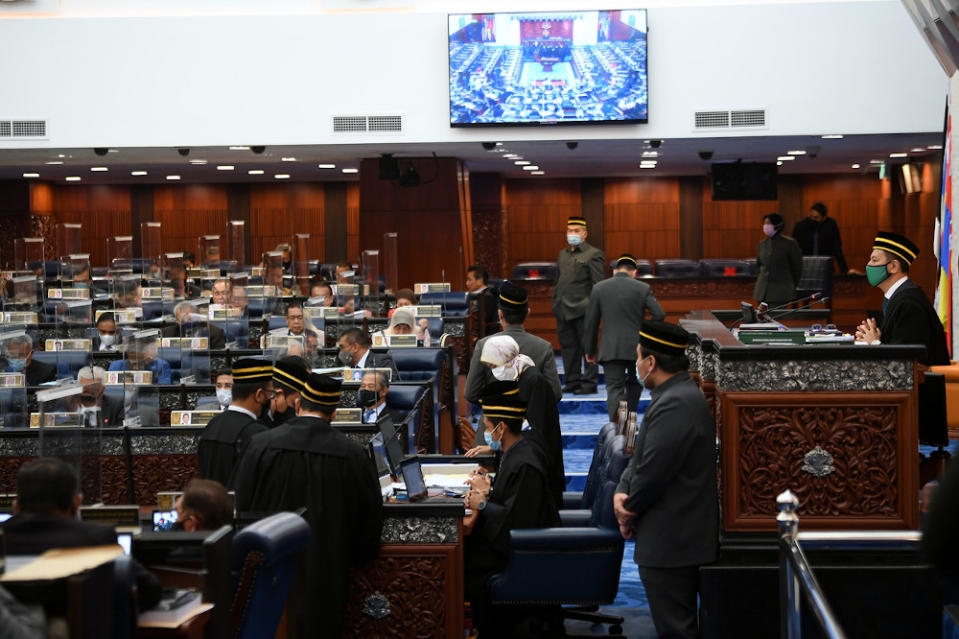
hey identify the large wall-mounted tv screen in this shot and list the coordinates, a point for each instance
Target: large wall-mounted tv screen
(548, 68)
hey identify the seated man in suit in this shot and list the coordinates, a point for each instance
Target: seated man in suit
(320, 289)
(371, 397)
(99, 410)
(142, 356)
(297, 325)
(355, 352)
(239, 299)
(45, 510)
(193, 324)
(107, 336)
(129, 295)
(221, 291)
(18, 358)
(204, 505)
(477, 288)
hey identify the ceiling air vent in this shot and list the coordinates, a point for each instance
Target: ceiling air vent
(5, 129)
(712, 119)
(753, 117)
(29, 128)
(367, 123)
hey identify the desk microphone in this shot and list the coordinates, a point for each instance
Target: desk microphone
(800, 308)
(812, 299)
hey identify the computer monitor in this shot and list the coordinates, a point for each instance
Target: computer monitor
(378, 455)
(394, 452)
(412, 472)
(125, 540)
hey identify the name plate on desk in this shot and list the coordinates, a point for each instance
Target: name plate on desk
(54, 420)
(354, 415)
(157, 293)
(19, 317)
(6, 501)
(203, 273)
(12, 380)
(426, 311)
(82, 345)
(772, 337)
(192, 417)
(261, 291)
(125, 516)
(352, 374)
(68, 293)
(221, 312)
(280, 341)
(346, 289)
(395, 341)
(431, 287)
(184, 342)
(123, 315)
(115, 378)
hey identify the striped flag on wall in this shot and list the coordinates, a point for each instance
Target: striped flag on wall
(942, 242)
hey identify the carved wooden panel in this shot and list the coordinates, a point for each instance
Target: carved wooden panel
(410, 591)
(156, 473)
(849, 457)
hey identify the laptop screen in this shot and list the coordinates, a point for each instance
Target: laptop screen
(391, 442)
(412, 473)
(378, 453)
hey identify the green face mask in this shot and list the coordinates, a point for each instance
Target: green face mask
(876, 274)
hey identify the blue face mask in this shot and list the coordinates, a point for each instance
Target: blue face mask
(16, 365)
(573, 239)
(492, 443)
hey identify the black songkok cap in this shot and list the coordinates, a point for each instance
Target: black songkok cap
(898, 245)
(576, 221)
(322, 389)
(251, 370)
(512, 297)
(627, 261)
(499, 406)
(663, 337)
(290, 373)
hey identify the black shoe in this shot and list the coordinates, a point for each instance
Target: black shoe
(585, 390)
(572, 387)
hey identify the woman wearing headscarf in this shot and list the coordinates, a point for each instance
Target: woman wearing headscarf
(501, 354)
(780, 264)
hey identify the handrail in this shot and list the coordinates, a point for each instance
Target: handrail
(796, 577)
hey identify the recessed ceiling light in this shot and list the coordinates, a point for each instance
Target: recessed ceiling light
(796, 152)
(31, 175)
(288, 159)
(931, 147)
(520, 162)
(54, 162)
(255, 172)
(282, 176)
(138, 172)
(327, 166)
(899, 155)
(648, 163)
(73, 178)
(99, 169)
(832, 136)
(779, 163)
(531, 167)
(876, 161)
(918, 149)
(511, 156)
(224, 167)
(239, 148)
(785, 158)
(173, 177)
(647, 166)
(499, 144)
(61, 155)
(650, 154)
(855, 166)
(537, 172)
(198, 161)
(113, 150)
(351, 170)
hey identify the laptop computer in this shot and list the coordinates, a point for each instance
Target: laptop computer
(412, 472)
(391, 442)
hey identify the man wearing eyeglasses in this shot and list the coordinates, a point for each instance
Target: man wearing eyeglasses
(226, 436)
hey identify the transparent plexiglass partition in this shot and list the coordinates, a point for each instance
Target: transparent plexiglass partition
(389, 261)
(174, 273)
(208, 251)
(75, 272)
(236, 244)
(370, 271)
(69, 239)
(126, 291)
(141, 370)
(301, 262)
(272, 264)
(188, 353)
(15, 345)
(151, 247)
(62, 433)
(29, 256)
(120, 252)
(26, 292)
(73, 316)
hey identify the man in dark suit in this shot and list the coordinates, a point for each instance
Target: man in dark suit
(107, 336)
(371, 397)
(355, 352)
(780, 264)
(227, 435)
(45, 518)
(667, 496)
(579, 268)
(818, 234)
(476, 277)
(908, 317)
(105, 410)
(620, 304)
(18, 358)
(191, 324)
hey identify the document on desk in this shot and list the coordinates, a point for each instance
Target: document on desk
(174, 618)
(64, 562)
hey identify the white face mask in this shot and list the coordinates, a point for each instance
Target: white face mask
(642, 380)
(108, 340)
(224, 396)
(504, 373)
(574, 239)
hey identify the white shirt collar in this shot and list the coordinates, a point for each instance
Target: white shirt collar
(240, 409)
(376, 411)
(895, 287)
(362, 362)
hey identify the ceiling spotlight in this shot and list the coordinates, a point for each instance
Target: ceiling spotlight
(327, 166)
(531, 167)
(855, 166)
(288, 159)
(259, 149)
(101, 150)
(282, 176)
(99, 169)
(224, 167)
(489, 146)
(239, 148)
(785, 158)
(73, 178)
(537, 172)
(572, 145)
(832, 136)
(779, 163)
(351, 170)
(198, 161)
(647, 166)
(31, 175)
(173, 177)
(934, 147)
(899, 155)
(138, 172)
(796, 152)
(183, 151)
(520, 162)
(876, 161)
(54, 162)
(918, 149)
(255, 172)
(650, 154)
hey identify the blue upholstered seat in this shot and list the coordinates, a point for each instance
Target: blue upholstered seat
(817, 276)
(68, 363)
(678, 268)
(265, 556)
(454, 303)
(535, 271)
(725, 268)
(403, 399)
(643, 267)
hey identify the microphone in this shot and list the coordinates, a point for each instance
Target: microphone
(811, 299)
(800, 308)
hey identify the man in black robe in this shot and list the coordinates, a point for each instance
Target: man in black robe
(519, 498)
(227, 435)
(289, 375)
(908, 317)
(305, 462)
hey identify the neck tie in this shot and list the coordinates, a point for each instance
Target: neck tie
(370, 416)
(815, 242)
(885, 305)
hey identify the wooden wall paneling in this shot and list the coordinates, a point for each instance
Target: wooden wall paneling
(238, 208)
(336, 221)
(466, 222)
(732, 229)
(853, 201)
(789, 188)
(642, 217)
(15, 217)
(536, 214)
(691, 217)
(487, 210)
(271, 227)
(353, 220)
(593, 200)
